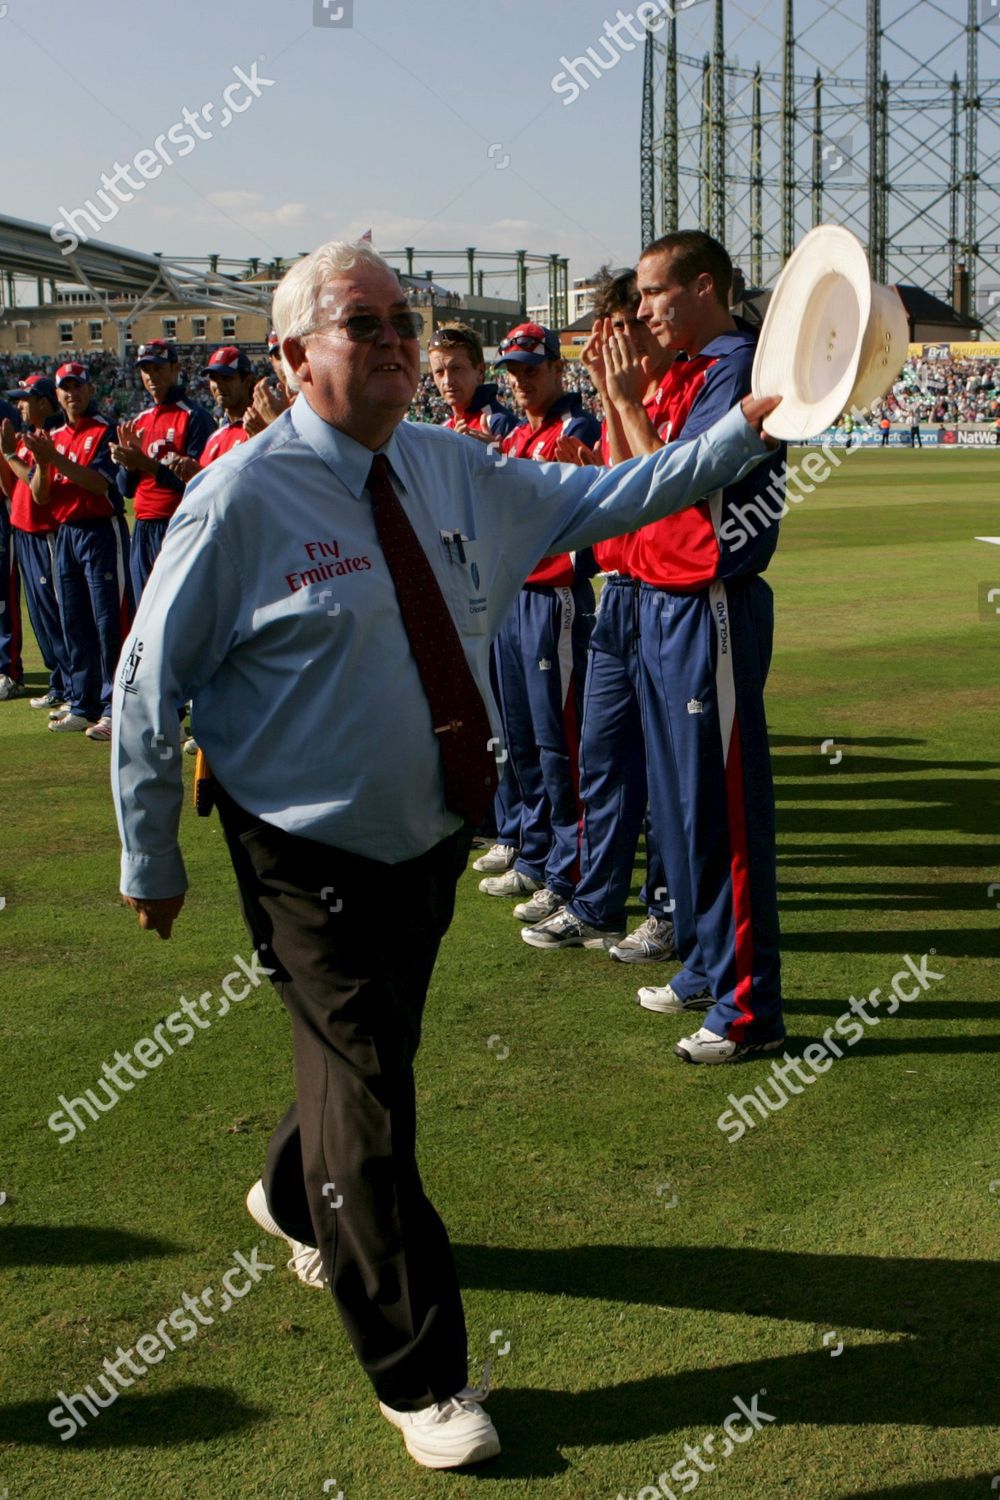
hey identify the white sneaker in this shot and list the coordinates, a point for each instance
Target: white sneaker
(11, 689)
(511, 884)
(447, 1434)
(306, 1261)
(50, 700)
(190, 746)
(707, 1047)
(101, 730)
(544, 903)
(496, 860)
(648, 944)
(663, 999)
(69, 724)
(564, 930)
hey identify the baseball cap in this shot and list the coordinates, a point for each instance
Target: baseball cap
(156, 352)
(72, 371)
(228, 361)
(273, 342)
(528, 344)
(34, 385)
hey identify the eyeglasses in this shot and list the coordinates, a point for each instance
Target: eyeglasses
(364, 328)
(524, 342)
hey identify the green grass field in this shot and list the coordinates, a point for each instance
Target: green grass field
(643, 1270)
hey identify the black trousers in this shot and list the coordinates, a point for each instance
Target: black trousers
(353, 943)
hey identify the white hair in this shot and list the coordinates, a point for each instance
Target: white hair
(297, 308)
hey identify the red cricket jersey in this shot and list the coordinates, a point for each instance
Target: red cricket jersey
(25, 515)
(162, 429)
(222, 441)
(565, 417)
(86, 443)
(667, 409)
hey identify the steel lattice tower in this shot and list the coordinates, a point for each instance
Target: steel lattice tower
(894, 131)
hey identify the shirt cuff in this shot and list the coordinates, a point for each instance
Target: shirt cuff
(153, 877)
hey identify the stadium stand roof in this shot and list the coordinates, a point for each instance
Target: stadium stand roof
(112, 271)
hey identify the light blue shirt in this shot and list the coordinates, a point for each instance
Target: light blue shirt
(272, 611)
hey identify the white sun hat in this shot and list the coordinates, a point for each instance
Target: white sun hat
(832, 338)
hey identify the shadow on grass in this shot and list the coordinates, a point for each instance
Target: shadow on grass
(935, 1489)
(76, 1245)
(949, 942)
(935, 1309)
(886, 895)
(881, 856)
(936, 1010)
(193, 1414)
(780, 741)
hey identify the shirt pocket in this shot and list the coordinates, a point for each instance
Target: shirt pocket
(465, 584)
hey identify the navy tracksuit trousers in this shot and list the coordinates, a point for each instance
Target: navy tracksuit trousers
(95, 597)
(35, 552)
(613, 768)
(704, 659)
(542, 652)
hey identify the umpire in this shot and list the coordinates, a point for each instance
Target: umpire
(325, 598)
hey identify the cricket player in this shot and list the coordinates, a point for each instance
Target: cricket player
(74, 483)
(34, 531)
(270, 395)
(706, 623)
(352, 758)
(11, 665)
(231, 379)
(173, 427)
(458, 368)
(612, 751)
(542, 648)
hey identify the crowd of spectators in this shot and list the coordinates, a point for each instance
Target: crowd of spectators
(119, 391)
(945, 391)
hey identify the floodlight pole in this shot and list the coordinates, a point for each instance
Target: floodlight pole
(788, 134)
(970, 248)
(756, 187)
(717, 166)
(670, 156)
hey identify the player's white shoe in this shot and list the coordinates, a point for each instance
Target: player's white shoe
(543, 903)
(663, 998)
(496, 860)
(11, 689)
(511, 884)
(101, 730)
(564, 930)
(50, 700)
(69, 724)
(190, 746)
(708, 1047)
(648, 944)
(447, 1434)
(306, 1261)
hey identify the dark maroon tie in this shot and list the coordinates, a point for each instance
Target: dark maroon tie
(457, 710)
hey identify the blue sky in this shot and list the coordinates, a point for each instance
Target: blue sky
(436, 124)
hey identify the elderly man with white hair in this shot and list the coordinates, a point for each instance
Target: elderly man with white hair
(325, 599)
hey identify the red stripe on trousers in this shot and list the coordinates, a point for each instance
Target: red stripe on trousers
(14, 608)
(740, 877)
